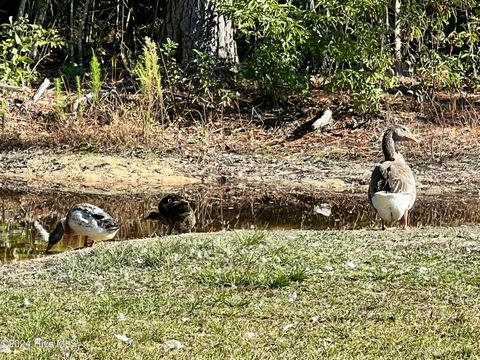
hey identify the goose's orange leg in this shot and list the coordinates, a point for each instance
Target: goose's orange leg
(383, 225)
(405, 220)
(87, 242)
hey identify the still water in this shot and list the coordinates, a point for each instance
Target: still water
(216, 208)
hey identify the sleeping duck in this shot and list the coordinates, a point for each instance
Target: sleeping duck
(85, 220)
(392, 190)
(177, 212)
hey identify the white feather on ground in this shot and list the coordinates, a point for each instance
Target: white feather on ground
(323, 121)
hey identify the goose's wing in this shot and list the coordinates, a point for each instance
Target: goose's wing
(400, 179)
(392, 176)
(379, 179)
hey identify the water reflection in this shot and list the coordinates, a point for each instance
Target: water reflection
(217, 208)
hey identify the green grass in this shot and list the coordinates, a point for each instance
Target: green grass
(252, 295)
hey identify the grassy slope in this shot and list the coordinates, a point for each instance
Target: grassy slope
(391, 295)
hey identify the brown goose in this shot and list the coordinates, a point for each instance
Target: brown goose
(392, 187)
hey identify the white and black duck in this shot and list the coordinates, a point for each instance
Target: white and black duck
(86, 220)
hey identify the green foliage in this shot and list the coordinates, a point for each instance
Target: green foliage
(174, 76)
(21, 40)
(149, 77)
(96, 77)
(349, 50)
(209, 81)
(59, 97)
(339, 41)
(449, 57)
(442, 72)
(365, 93)
(71, 71)
(3, 110)
(350, 45)
(278, 35)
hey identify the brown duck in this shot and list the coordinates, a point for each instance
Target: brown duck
(392, 189)
(177, 212)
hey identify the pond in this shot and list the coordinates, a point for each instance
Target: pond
(217, 208)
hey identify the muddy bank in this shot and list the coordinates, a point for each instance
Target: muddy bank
(40, 171)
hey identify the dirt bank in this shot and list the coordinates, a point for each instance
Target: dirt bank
(38, 170)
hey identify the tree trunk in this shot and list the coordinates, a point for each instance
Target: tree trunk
(398, 39)
(81, 31)
(195, 24)
(21, 8)
(41, 7)
(72, 33)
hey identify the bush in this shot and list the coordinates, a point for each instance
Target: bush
(18, 65)
(278, 36)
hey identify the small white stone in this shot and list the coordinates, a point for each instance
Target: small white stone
(123, 338)
(5, 349)
(422, 269)
(351, 265)
(323, 209)
(174, 344)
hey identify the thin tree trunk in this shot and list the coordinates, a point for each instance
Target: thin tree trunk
(155, 17)
(398, 39)
(72, 33)
(40, 14)
(21, 8)
(81, 31)
(89, 37)
(41, 11)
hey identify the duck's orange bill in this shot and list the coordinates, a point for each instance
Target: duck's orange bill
(410, 137)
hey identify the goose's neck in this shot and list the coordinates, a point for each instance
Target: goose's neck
(388, 146)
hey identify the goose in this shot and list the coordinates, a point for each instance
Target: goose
(392, 191)
(177, 212)
(82, 219)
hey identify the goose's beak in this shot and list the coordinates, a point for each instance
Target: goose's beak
(411, 137)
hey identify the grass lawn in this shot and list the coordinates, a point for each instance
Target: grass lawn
(250, 295)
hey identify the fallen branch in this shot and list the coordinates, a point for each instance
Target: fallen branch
(41, 90)
(12, 88)
(45, 85)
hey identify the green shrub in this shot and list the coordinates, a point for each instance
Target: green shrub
(20, 41)
(95, 77)
(278, 36)
(59, 97)
(148, 75)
